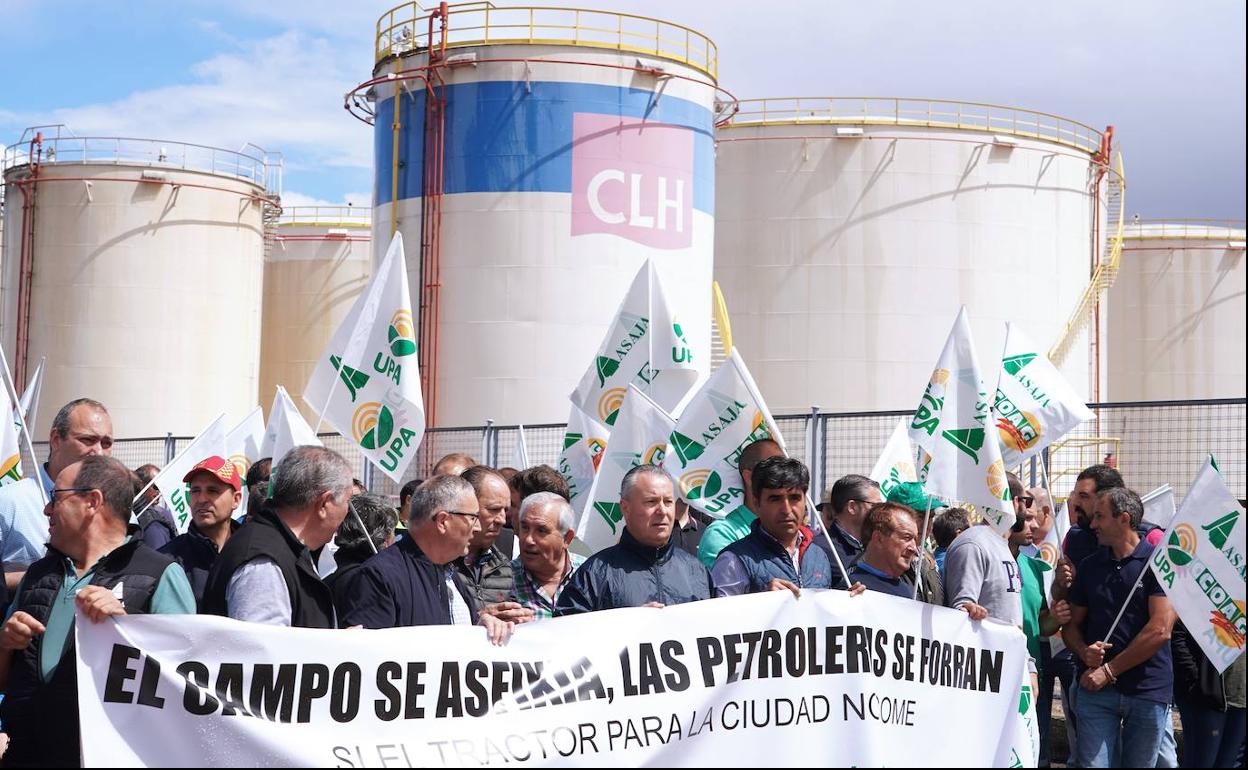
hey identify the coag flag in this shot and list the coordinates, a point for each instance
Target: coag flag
(1034, 404)
(726, 415)
(209, 442)
(10, 448)
(1200, 564)
(952, 425)
(645, 346)
(367, 384)
(242, 446)
(286, 429)
(639, 437)
(896, 463)
(583, 444)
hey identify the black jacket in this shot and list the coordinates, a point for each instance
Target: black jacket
(196, 552)
(157, 526)
(400, 586)
(1195, 678)
(630, 574)
(490, 578)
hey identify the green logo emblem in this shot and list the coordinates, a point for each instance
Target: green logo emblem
(686, 448)
(355, 379)
(570, 439)
(1015, 364)
(605, 368)
(401, 334)
(969, 440)
(611, 513)
(1220, 530)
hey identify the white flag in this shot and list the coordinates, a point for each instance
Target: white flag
(896, 463)
(1159, 506)
(1034, 403)
(243, 447)
(639, 437)
(1200, 564)
(209, 442)
(645, 346)
(583, 444)
(952, 425)
(522, 450)
(28, 404)
(726, 415)
(372, 373)
(10, 448)
(286, 429)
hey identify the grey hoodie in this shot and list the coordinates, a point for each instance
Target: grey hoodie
(979, 568)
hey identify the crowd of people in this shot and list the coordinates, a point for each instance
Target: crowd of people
(496, 547)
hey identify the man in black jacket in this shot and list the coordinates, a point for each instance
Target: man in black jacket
(644, 569)
(215, 492)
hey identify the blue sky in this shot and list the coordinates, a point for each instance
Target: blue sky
(1169, 76)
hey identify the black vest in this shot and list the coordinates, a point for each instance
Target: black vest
(41, 717)
(264, 534)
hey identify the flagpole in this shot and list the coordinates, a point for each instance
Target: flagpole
(918, 571)
(1130, 594)
(21, 418)
(831, 545)
(149, 484)
(367, 537)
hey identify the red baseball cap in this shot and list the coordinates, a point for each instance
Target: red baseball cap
(221, 468)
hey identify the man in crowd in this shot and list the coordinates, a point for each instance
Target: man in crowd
(1125, 684)
(950, 523)
(93, 561)
(154, 518)
(258, 476)
(215, 492)
(415, 583)
(485, 569)
(356, 544)
(776, 555)
(687, 531)
(981, 576)
(530, 481)
(912, 495)
(265, 573)
(453, 464)
(736, 524)
(890, 537)
(405, 498)
(644, 568)
(81, 428)
(844, 511)
(545, 564)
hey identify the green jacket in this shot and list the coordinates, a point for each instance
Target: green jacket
(723, 533)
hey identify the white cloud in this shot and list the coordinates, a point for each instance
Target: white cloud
(360, 200)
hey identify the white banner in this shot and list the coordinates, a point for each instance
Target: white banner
(761, 680)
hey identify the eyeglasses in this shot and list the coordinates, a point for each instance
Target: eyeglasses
(1026, 500)
(67, 490)
(464, 513)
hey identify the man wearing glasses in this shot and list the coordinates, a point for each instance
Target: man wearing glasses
(414, 582)
(844, 512)
(95, 563)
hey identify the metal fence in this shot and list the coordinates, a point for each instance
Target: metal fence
(1154, 443)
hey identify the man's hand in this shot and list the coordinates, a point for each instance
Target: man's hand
(498, 631)
(654, 605)
(1061, 612)
(857, 589)
(512, 612)
(780, 584)
(19, 630)
(98, 602)
(974, 610)
(1094, 679)
(1094, 654)
(1065, 572)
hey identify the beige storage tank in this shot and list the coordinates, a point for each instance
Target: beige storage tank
(320, 261)
(1177, 312)
(135, 266)
(848, 231)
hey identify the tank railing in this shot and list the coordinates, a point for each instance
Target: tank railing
(152, 152)
(902, 111)
(405, 29)
(1185, 229)
(325, 216)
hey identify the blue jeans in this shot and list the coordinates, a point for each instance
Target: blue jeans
(1210, 738)
(1107, 717)
(1063, 667)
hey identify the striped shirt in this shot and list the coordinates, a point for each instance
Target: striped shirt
(532, 594)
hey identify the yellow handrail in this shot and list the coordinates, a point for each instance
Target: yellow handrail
(404, 29)
(326, 216)
(720, 310)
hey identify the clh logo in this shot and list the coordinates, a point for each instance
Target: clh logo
(632, 178)
(372, 424)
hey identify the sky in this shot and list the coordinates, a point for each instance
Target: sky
(1170, 77)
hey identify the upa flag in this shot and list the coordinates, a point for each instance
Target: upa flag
(952, 425)
(242, 446)
(645, 346)
(209, 442)
(286, 429)
(639, 437)
(1034, 404)
(726, 415)
(896, 463)
(367, 384)
(1200, 564)
(583, 444)
(10, 449)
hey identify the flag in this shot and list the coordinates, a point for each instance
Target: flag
(286, 429)
(726, 415)
(367, 384)
(1200, 564)
(522, 450)
(639, 437)
(242, 445)
(952, 426)
(28, 404)
(645, 346)
(896, 463)
(1034, 403)
(1159, 506)
(209, 442)
(10, 448)
(582, 452)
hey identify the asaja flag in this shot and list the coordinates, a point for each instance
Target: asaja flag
(953, 425)
(1200, 564)
(638, 438)
(10, 449)
(242, 446)
(286, 429)
(583, 444)
(1034, 403)
(1159, 506)
(726, 415)
(646, 347)
(209, 442)
(896, 463)
(367, 384)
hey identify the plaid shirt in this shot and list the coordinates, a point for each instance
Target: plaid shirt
(531, 595)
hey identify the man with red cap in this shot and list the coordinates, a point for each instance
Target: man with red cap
(215, 492)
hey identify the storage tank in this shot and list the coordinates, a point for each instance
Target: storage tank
(539, 155)
(1177, 312)
(318, 264)
(850, 230)
(135, 266)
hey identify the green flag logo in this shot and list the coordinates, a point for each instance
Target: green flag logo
(401, 334)
(605, 367)
(1015, 364)
(1220, 530)
(355, 379)
(1182, 545)
(686, 448)
(969, 440)
(700, 484)
(570, 439)
(373, 425)
(611, 513)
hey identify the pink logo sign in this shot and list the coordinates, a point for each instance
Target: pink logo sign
(633, 179)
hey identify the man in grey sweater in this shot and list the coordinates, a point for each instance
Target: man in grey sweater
(981, 576)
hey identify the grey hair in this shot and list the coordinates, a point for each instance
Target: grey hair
(112, 479)
(60, 423)
(567, 516)
(307, 472)
(630, 478)
(377, 515)
(1123, 500)
(437, 494)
